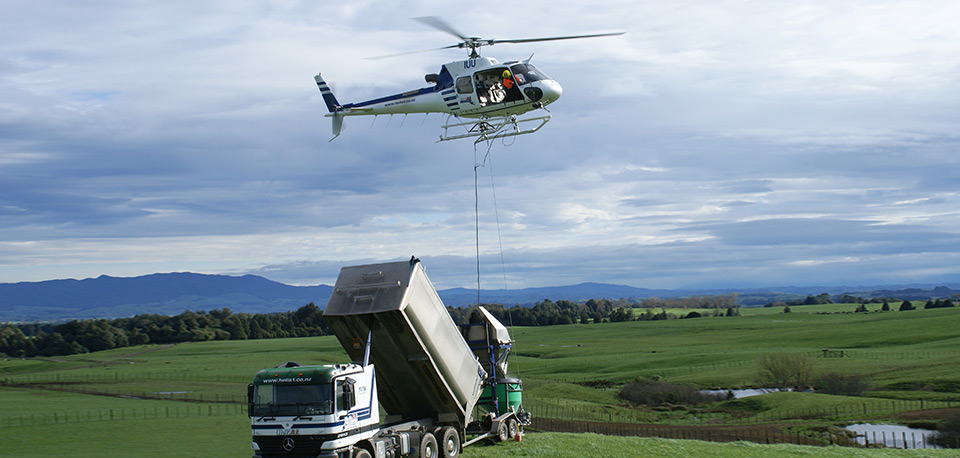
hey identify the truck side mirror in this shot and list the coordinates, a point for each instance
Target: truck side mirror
(250, 400)
(345, 394)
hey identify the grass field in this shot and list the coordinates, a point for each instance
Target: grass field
(905, 355)
(559, 445)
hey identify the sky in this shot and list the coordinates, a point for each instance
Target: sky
(717, 144)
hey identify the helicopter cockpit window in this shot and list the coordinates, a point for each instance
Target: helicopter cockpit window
(527, 73)
(464, 85)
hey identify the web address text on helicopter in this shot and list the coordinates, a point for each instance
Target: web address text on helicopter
(398, 102)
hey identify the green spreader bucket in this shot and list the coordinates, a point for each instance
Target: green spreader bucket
(509, 394)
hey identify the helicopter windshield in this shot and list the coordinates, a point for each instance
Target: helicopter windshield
(313, 399)
(527, 73)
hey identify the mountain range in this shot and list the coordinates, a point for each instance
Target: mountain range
(173, 293)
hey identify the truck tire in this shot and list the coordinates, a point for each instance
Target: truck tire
(428, 446)
(449, 442)
(503, 434)
(513, 428)
(361, 453)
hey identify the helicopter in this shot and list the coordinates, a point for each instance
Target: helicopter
(490, 93)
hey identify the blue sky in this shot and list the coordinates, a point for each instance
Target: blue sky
(716, 144)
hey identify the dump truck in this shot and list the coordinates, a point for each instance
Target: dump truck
(440, 387)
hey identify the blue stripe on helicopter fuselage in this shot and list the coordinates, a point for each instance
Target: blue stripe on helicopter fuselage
(389, 98)
(450, 97)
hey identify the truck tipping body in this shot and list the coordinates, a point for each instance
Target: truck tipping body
(425, 367)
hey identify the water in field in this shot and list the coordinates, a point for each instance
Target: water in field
(745, 393)
(895, 436)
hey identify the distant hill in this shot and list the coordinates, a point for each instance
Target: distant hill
(529, 296)
(166, 294)
(173, 293)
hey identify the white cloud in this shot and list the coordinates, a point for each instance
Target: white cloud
(715, 143)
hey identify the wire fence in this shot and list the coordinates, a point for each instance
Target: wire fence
(687, 369)
(183, 386)
(181, 396)
(710, 434)
(766, 435)
(66, 377)
(177, 411)
(692, 416)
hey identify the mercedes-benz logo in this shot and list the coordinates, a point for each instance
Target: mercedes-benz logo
(288, 444)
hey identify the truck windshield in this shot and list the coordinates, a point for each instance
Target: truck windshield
(527, 73)
(315, 399)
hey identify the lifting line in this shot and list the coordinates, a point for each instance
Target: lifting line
(496, 212)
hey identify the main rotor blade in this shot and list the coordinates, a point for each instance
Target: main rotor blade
(387, 56)
(440, 24)
(571, 37)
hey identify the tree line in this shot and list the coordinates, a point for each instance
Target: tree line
(824, 298)
(84, 336)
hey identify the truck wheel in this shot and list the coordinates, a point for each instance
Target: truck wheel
(450, 442)
(361, 453)
(513, 428)
(428, 446)
(503, 434)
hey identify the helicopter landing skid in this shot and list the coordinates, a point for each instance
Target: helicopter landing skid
(492, 128)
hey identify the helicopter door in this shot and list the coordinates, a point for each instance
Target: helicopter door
(493, 87)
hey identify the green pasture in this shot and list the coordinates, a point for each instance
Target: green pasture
(219, 436)
(723, 351)
(560, 445)
(101, 403)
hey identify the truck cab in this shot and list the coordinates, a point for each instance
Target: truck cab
(306, 410)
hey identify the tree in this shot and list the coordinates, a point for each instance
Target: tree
(598, 317)
(14, 343)
(906, 305)
(785, 370)
(621, 314)
(835, 383)
(885, 307)
(55, 345)
(786, 309)
(948, 434)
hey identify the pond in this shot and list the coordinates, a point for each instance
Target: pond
(895, 436)
(745, 393)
